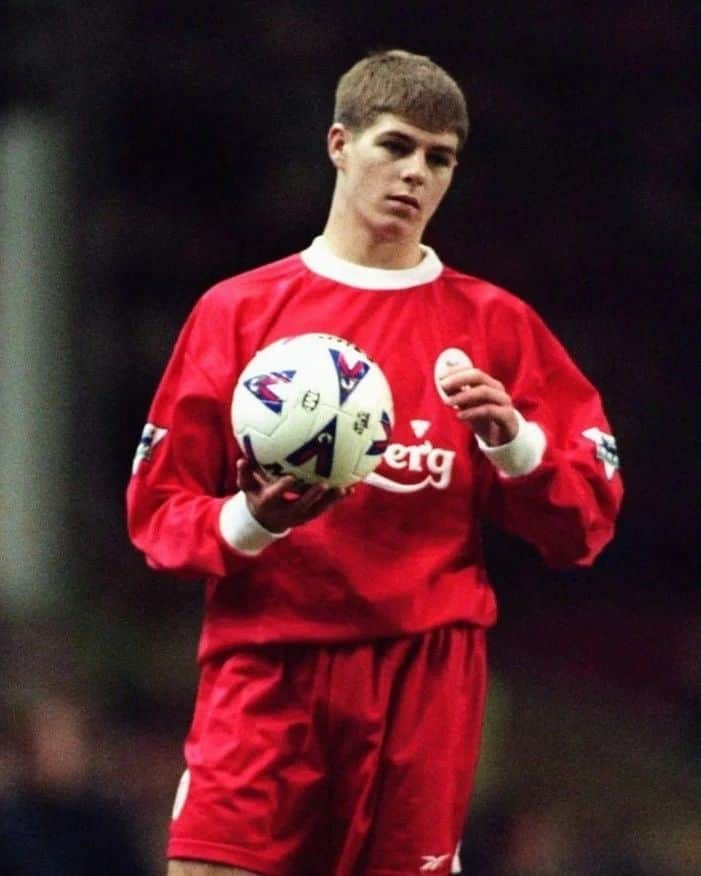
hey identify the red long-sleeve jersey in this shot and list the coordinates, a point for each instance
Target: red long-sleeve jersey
(403, 554)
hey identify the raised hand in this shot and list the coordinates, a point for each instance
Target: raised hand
(481, 401)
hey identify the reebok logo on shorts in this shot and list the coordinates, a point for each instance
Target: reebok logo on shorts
(433, 863)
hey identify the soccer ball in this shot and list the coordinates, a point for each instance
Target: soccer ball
(314, 406)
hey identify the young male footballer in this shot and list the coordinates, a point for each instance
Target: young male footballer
(338, 716)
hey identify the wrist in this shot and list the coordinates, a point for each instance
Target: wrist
(522, 454)
(499, 434)
(241, 530)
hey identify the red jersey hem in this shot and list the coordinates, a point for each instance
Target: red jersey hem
(383, 871)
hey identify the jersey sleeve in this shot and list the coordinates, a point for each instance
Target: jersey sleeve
(182, 469)
(567, 506)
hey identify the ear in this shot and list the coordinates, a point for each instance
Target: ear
(337, 141)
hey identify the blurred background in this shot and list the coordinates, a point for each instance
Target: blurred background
(150, 149)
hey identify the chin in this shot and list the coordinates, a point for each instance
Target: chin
(394, 230)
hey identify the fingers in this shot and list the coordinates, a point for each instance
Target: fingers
(310, 498)
(251, 480)
(483, 416)
(474, 393)
(245, 476)
(459, 377)
(280, 503)
(481, 401)
(316, 499)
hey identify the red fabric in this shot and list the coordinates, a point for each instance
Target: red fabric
(333, 761)
(379, 563)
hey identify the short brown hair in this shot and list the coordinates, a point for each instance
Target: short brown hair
(407, 85)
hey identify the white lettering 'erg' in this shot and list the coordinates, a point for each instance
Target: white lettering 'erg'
(436, 463)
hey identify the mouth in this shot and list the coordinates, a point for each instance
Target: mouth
(407, 200)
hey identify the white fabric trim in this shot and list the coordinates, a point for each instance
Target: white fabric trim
(520, 456)
(241, 530)
(319, 259)
(456, 866)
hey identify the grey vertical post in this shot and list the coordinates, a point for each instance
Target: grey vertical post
(35, 363)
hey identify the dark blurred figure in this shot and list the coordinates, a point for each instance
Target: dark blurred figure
(54, 820)
(518, 839)
(538, 838)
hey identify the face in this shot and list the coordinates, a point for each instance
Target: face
(393, 175)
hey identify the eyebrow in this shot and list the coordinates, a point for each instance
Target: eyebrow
(433, 147)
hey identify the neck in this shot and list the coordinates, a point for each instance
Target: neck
(361, 244)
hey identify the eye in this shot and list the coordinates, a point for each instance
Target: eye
(396, 147)
(438, 159)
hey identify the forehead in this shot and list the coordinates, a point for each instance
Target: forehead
(388, 123)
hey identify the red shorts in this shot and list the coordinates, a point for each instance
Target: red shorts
(336, 761)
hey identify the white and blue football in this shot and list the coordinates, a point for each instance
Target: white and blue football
(313, 406)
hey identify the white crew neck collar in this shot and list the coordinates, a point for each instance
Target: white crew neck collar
(319, 259)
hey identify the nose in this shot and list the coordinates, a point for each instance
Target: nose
(414, 169)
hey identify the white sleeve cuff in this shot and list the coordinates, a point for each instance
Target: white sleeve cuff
(240, 529)
(520, 456)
